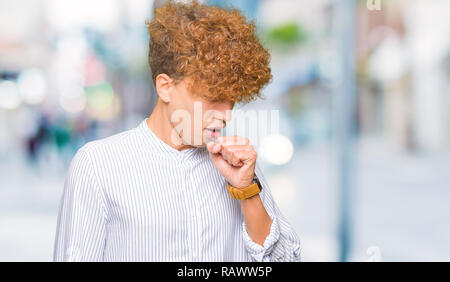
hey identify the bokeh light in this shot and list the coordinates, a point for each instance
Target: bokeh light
(102, 104)
(73, 103)
(32, 86)
(276, 149)
(9, 95)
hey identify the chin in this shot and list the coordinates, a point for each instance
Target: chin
(194, 144)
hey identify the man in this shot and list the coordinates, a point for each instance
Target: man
(173, 189)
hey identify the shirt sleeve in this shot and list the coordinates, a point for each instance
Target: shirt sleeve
(80, 232)
(282, 243)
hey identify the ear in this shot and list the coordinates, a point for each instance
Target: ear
(164, 86)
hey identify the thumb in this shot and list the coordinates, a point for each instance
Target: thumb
(213, 148)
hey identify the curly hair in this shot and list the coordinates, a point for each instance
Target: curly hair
(214, 47)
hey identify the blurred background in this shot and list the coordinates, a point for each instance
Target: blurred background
(360, 165)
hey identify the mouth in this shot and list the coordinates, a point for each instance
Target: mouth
(214, 132)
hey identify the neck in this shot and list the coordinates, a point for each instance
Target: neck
(159, 123)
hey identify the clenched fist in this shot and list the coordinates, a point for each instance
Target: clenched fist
(235, 158)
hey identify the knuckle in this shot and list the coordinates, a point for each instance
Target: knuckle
(249, 149)
(253, 153)
(244, 141)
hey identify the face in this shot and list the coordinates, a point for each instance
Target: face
(195, 120)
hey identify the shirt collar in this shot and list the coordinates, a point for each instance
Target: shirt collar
(164, 148)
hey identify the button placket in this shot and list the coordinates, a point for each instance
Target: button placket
(196, 212)
(187, 200)
(193, 209)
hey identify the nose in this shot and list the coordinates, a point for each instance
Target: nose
(220, 113)
(220, 120)
(225, 117)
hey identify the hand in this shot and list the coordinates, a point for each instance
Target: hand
(235, 158)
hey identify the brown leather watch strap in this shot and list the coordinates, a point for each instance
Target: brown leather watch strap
(243, 193)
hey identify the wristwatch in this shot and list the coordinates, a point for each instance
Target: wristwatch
(247, 192)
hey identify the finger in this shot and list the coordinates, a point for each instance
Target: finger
(219, 161)
(232, 140)
(237, 154)
(226, 155)
(235, 160)
(214, 154)
(227, 150)
(245, 155)
(214, 148)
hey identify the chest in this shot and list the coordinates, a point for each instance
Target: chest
(168, 198)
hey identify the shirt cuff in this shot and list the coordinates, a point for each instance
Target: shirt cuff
(258, 252)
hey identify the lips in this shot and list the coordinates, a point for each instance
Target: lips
(214, 132)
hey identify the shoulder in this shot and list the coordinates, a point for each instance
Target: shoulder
(102, 152)
(99, 153)
(114, 143)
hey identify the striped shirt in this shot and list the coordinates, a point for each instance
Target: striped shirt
(132, 197)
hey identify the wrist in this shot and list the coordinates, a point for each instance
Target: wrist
(250, 201)
(245, 192)
(242, 185)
